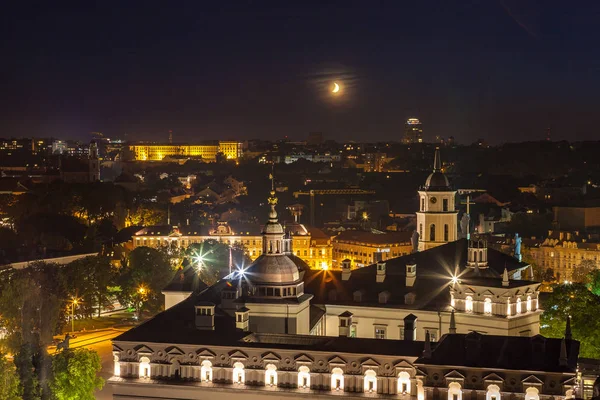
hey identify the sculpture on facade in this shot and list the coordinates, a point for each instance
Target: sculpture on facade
(414, 241)
(518, 241)
(464, 225)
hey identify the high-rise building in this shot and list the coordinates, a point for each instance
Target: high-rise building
(413, 131)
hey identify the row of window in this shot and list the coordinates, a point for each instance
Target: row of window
(487, 305)
(432, 232)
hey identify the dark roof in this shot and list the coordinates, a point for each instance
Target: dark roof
(125, 234)
(435, 268)
(535, 353)
(185, 280)
(316, 313)
(370, 237)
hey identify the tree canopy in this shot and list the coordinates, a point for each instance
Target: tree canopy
(10, 385)
(582, 305)
(74, 375)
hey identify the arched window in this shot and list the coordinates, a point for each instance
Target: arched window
(493, 393)
(370, 380)
(446, 232)
(337, 379)
(117, 366)
(508, 312)
(454, 391)
(432, 232)
(144, 371)
(528, 303)
(487, 306)
(206, 371)
(518, 311)
(421, 231)
(420, 390)
(469, 304)
(303, 377)
(239, 375)
(403, 383)
(532, 394)
(175, 369)
(569, 394)
(474, 256)
(271, 375)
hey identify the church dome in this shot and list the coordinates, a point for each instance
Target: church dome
(437, 181)
(273, 269)
(273, 227)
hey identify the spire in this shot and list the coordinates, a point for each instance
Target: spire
(437, 161)
(505, 281)
(272, 199)
(452, 323)
(427, 347)
(563, 360)
(568, 334)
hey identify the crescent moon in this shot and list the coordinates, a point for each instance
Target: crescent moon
(336, 87)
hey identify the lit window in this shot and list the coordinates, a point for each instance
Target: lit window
(206, 371)
(403, 382)
(117, 366)
(379, 333)
(454, 391)
(508, 312)
(271, 375)
(337, 379)
(528, 303)
(370, 380)
(493, 393)
(487, 306)
(239, 375)
(518, 311)
(303, 377)
(144, 371)
(532, 394)
(469, 304)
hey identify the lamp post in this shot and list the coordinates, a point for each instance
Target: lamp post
(142, 292)
(74, 302)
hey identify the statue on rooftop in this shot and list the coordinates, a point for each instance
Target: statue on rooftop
(518, 241)
(414, 240)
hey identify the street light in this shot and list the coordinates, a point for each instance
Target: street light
(74, 302)
(143, 293)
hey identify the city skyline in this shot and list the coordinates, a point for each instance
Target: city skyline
(502, 71)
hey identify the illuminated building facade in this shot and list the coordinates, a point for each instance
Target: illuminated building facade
(365, 247)
(407, 327)
(413, 131)
(232, 150)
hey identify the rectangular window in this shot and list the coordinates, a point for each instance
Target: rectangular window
(455, 396)
(445, 204)
(379, 333)
(401, 332)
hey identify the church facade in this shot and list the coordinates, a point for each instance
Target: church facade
(452, 321)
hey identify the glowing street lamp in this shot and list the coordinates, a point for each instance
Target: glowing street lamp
(74, 302)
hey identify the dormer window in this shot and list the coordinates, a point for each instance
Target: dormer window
(205, 311)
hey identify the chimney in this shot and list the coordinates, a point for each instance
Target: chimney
(568, 235)
(205, 316)
(345, 323)
(380, 272)
(427, 346)
(242, 318)
(563, 361)
(411, 274)
(505, 281)
(452, 328)
(346, 269)
(410, 327)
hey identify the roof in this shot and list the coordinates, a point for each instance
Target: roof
(535, 353)
(433, 274)
(369, 237)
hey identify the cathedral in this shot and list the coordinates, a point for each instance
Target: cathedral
(453, 319)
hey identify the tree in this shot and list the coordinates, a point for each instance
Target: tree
(148, 269)
(10, 385)
(577, 301)
(211, 259)
(594, 282)
(74, 375)
(581, 273)
(148, 214)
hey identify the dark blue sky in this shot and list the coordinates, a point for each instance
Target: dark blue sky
(500, 70)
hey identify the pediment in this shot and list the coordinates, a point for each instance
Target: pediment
(528, 291)
(116, 348)
(174, 234)
(469, 291)
(174, 351)
(454, 374)
(533, 380)
(236, 354)
(572, 381)
(270, 356)
(143, 349)
(487, 293)
(518, 292)
(205, 353)
(403, 364)
(303, 358)
(493, 378)
(420, 373)
(369, 362)
(336, 360)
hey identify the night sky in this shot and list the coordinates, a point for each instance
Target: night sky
(498, 70)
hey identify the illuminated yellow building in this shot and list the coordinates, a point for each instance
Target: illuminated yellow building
(366, 247)
(313, 247)
(232, 150)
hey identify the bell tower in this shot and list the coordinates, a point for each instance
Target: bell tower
(437, 216)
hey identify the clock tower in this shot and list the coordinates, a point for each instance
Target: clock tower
(437, 215)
